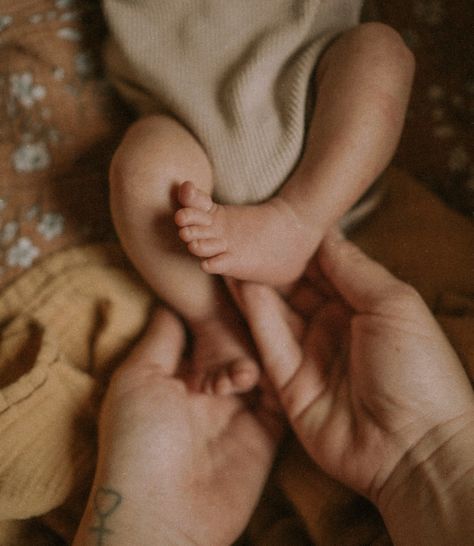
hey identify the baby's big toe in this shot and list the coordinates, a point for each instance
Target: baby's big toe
(191, 196)
(244, 374)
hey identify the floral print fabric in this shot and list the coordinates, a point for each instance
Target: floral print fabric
(60, 121)
(56, 127)
(437, 145)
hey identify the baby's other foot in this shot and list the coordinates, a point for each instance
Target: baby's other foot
(264, 243)
(222, 357)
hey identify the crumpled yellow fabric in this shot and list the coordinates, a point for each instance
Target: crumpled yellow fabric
(68, 322)
(65, 326)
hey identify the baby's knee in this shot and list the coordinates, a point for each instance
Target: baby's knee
(135, 154)
(157, 152)
(386, 46)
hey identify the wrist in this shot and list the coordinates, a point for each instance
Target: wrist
(429, 496)
(126, 507)
(121, 516)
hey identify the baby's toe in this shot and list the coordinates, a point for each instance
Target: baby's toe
(244, 374)
(191, 196)
(205, 248)
(237, 377)
(217, 382)
(192, 217)
(193, 233)
(222, 384)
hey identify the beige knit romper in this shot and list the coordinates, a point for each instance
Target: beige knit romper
(236, 73)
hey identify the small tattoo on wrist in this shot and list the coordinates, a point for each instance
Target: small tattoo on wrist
(106, 501)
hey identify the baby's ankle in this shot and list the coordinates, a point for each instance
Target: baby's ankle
(310, 224)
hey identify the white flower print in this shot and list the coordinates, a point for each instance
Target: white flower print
(53, 135)
(24, 90)
(69, 16)
(22, 253)
(5, 21)
(70, 34)
(32, 157)
(62, 4)
(84, 63)
(9, 231)
(36, 18)
(32, 213)
(51, 225)
(58, 73)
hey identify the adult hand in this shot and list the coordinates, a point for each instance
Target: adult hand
(372, 376)
(175, 466)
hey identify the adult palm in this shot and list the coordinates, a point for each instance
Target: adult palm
(370, 375)
(196, 463)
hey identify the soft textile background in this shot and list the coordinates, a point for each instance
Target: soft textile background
(61, 315)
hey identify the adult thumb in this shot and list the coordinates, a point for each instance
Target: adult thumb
(361, 281)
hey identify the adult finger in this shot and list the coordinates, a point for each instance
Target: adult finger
(266, 314)
(161, 345)
(361, 281)
(295, 322)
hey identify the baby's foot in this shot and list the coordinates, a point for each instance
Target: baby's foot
(222, 361)
(263, 243)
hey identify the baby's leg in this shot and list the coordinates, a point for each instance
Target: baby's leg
(156, 154)
(363, 83)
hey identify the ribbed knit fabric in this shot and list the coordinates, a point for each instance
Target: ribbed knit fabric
(236, 73)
